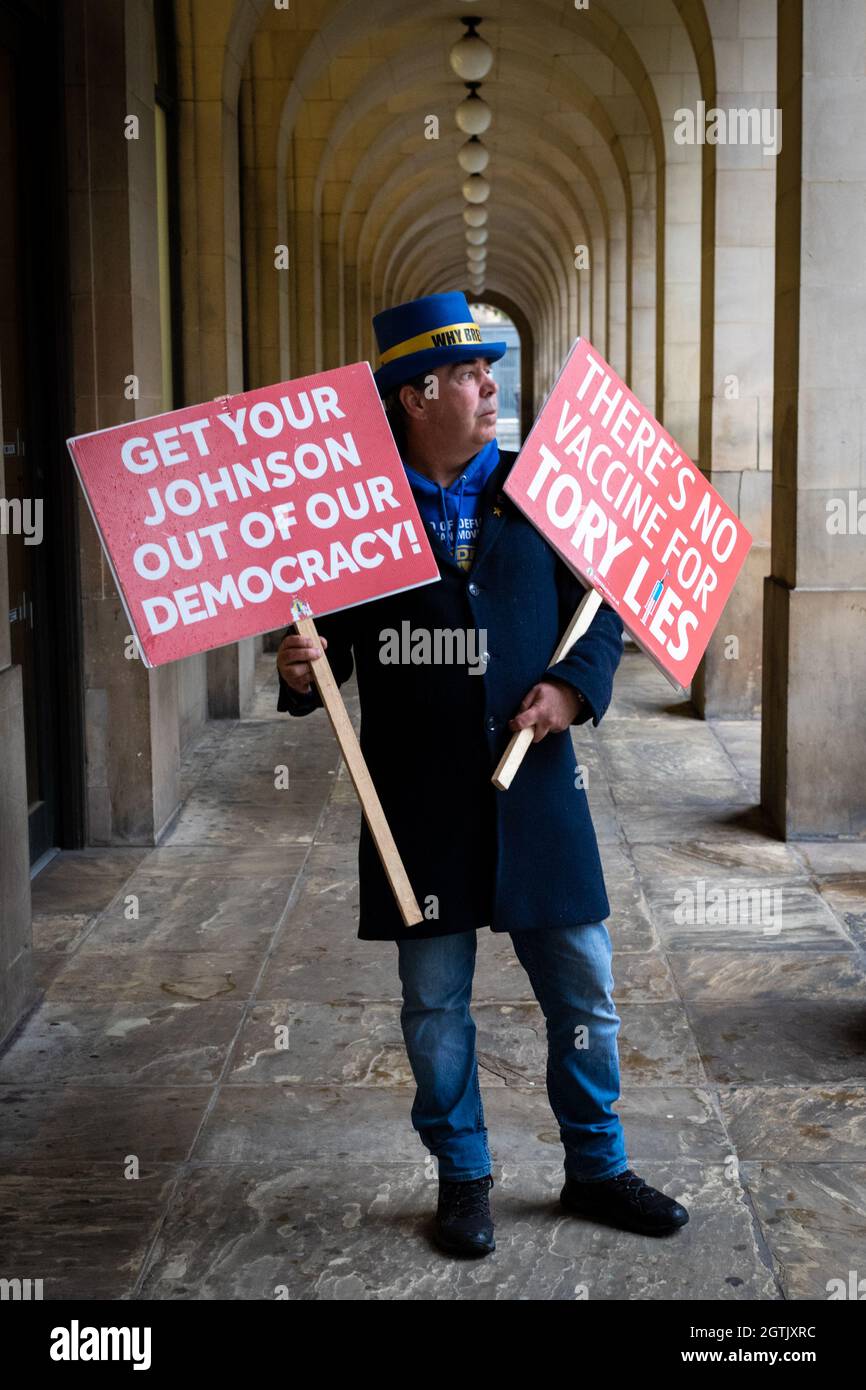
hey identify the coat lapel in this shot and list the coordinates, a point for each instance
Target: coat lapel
(493, 510)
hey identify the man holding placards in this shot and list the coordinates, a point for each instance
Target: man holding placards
(435, 723)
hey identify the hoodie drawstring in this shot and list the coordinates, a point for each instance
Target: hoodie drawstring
(457, 517)
(444, 511)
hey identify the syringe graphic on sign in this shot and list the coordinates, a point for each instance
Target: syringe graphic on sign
(654, 597)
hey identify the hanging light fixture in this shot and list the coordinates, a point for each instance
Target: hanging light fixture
(474, 217)
(473, 157)
(471, 57)
(476, 189)
(473, 115)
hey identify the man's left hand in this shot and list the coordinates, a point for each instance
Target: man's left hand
(549, 707)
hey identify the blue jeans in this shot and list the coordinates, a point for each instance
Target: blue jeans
(569, 969)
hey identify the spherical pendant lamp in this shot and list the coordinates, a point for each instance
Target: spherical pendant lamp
(473, 157)
(471, 57)
(473, 115)
(476, 189)
(474, 217)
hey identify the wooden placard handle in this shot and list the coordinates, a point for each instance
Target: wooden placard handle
(360, 775)
(518, 743)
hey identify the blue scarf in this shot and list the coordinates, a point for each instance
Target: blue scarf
(452, 513)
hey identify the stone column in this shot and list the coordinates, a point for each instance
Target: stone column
(16, 957)
(211, 53)
(813, 757)
(644, 272)
(131, 714)
(735, 449)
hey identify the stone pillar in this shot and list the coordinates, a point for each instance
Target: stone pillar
(813, 756)
(736, 434)
(211, 53)
(644, 272)
(131, 714)
(616, 325)
(16, 983)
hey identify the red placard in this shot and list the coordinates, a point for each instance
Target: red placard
(629, 512)
(215, 517)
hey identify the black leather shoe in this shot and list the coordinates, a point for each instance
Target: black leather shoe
(625, 1201)
(463, 1223)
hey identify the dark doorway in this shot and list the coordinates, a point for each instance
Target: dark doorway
(39, 508)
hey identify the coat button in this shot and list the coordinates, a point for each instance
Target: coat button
(473, 589)
(490, 724)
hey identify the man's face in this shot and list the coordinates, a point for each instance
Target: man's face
(463, 418)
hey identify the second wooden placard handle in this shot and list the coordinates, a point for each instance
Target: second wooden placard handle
(514, 754)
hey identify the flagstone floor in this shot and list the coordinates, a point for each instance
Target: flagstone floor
(161, 1142)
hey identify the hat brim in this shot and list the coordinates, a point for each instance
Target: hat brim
(428, 359)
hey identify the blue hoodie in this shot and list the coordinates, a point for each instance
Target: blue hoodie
(452, 513)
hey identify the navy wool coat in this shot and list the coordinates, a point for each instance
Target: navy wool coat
(525, 859)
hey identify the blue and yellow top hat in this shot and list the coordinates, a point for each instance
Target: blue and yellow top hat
(424, 334)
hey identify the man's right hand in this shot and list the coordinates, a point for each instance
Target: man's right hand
(294, 656)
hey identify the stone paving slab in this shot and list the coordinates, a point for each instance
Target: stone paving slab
(245, 861)
(660, 865)
(777, 1124)
(169, 1043)
(753, 977)
(782, 1041)
(269, 817)
(195, 911)
(813, 1216)
(847, 899)
(750, 914)
(835, 858)
(59, 933)
(361, 1231)
(48, 1127)
(128, 974)
(325, 971)
(688, 816)
(83, 880)
(85, 1232)
(741, 740)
